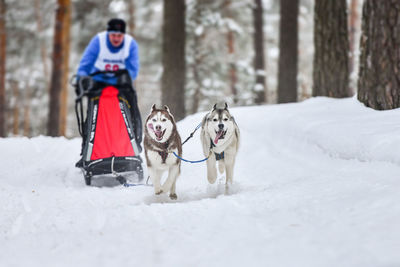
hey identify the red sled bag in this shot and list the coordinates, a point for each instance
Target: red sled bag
(109, 144)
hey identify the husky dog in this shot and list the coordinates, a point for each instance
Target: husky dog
(160, 140)
(220, 140)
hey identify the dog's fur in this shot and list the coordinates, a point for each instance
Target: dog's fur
(160, 140)
(220, 133)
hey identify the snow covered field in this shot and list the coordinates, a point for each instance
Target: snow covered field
(316, 183)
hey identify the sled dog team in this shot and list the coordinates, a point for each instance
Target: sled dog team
(219, 138)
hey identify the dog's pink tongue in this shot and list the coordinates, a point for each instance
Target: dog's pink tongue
(218, 136)
(158, 133)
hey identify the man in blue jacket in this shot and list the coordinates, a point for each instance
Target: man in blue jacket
(113, 50)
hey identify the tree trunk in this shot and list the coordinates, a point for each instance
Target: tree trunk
(173, 57)
(64, 92)
(231, 52)
(27, 110)
(43, 49)
(131, 17)
(232, 66)
(3, 45)
(53, 126)
(288, 54)
(198, 61)
(15, 91)
(198, 55)
(259, 65)
(131, 23)
(331, 58)
(379, 74)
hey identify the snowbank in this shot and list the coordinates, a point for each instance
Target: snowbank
(316, 184)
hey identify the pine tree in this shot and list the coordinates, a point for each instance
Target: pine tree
(173, 57)
(53, 126)
(331, 58)
(230, 41)
(259, 63)
(65, 70)
(379, 83)
(288, 55)
(2, 66)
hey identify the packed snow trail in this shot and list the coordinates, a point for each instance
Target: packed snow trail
(315, 184)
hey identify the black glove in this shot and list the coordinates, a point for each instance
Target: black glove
(123, 78)
(76, 85)
(84, 84)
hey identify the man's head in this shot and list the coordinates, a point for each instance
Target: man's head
(116, 31)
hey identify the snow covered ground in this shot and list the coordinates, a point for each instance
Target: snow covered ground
(316, 183)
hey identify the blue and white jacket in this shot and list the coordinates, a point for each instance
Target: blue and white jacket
(101, 55)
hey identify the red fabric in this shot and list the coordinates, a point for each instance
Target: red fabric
(111, 137)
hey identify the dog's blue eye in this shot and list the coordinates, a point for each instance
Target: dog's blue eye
(154, 120)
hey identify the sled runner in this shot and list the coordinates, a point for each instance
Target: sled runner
(111, 130)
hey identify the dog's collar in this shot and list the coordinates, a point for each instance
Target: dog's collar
(218, 156)
(162, 146)
(166, 144)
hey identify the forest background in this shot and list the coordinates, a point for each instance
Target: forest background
(244, 52)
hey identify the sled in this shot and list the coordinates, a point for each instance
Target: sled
(110, 146)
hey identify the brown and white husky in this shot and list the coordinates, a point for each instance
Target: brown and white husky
(160, 140)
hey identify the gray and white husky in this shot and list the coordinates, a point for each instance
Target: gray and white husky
(220, 140)
(160, 140)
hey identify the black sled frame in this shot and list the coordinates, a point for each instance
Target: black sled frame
(118, 167)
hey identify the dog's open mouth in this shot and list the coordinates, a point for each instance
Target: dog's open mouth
(159, 134)
(220, 135)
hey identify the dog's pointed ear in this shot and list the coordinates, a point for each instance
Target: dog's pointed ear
(204, 121)
(214, 107)
(167, 109)
(226, 106)
(153, 107)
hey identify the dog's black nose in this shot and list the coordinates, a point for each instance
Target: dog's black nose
(158, 127)
(220, 126)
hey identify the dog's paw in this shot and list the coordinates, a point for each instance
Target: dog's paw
(158, 192)
(211, 179)
(173, 196)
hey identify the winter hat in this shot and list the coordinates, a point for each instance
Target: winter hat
(116, 25)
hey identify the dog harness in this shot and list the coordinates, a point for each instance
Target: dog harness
(218, 156)
(164, 153)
